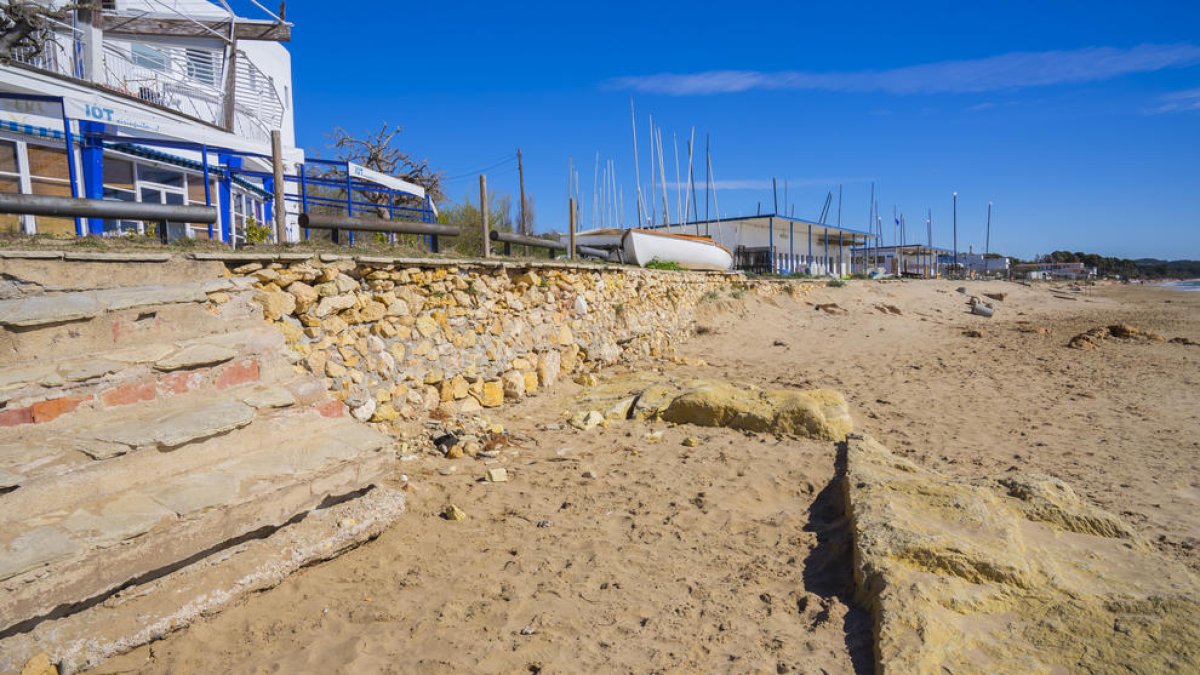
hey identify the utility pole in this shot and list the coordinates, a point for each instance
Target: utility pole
(525, 229)
(483, 217)
(987, 245)
(955, 196)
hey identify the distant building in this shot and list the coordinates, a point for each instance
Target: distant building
(1052, 270)
(978, 264)
(910, 260)
(781, 244)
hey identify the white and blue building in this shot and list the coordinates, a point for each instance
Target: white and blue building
(172, 102)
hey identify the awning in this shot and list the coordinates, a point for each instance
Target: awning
(30, 130)
(182, 162)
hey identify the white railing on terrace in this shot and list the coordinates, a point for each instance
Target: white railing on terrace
(189, 80)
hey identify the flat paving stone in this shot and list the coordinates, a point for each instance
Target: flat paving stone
(197, 492)
(80, 371)
(269, 397)
(48, 309)
(178, 425)
(195, 356)
(45, 375)
(9, 480)
(122, 518)
(35, 548)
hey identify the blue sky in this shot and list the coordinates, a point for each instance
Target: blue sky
(1079, 120)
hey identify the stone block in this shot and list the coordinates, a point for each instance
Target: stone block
(45, 411)
(129, 393)
(242, 371)
(34, 548)
(195, 356)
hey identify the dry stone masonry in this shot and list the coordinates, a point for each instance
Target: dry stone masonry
(396, 339)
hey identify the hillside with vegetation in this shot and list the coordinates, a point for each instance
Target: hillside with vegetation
(1142, 268)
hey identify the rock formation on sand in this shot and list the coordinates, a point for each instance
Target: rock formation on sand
(815, 413)
(1091, 339)
(1015, 575)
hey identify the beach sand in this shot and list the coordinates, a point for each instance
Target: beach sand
(609, 552)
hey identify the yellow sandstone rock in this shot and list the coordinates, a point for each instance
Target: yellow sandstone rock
(1016, 575)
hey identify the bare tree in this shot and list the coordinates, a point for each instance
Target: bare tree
(378, 151)
(27, 26)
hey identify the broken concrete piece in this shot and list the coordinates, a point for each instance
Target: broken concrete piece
(497, 475)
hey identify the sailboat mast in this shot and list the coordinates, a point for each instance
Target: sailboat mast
(662, 172)
(653, 184)
(678, 188)
(637, 173)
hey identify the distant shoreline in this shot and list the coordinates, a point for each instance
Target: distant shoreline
(1188, 285)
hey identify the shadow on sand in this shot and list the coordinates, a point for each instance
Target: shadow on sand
(828, 570)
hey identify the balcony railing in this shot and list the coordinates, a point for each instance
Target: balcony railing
(189, 80)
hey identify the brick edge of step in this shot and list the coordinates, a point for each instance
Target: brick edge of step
(148, 612)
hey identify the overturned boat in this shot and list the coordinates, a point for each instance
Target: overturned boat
(639, 247)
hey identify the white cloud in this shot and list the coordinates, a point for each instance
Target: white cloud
(1015, 70)
(1179, 101)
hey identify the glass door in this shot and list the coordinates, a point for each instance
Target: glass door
(164, 195)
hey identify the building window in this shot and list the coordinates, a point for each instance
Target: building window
(10, 181)
(202, 66)
(49, 175)
(149, 57)
(118, 186)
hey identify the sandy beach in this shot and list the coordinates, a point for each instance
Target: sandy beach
(608, 551)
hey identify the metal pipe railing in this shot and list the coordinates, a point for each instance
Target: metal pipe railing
(337, 223)
(508, 239)
(71, 207)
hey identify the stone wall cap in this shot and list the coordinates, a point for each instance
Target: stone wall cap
(235, 256)
(117, 257)
(35, 255)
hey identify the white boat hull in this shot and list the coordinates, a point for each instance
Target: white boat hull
(690, 253)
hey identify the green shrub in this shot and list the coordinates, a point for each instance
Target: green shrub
(836, 283)
(255, 233)
(659, 264)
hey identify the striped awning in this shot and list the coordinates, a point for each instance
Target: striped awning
(182, 162)
(30, 130)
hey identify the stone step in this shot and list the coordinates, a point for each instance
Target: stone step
(41, 393)
(148, 611)
(38, 329)
(182, 407)
(76, 536)
(53, 308)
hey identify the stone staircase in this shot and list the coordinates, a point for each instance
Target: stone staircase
(153, 437)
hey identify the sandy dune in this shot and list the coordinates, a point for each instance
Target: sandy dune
(608, 552)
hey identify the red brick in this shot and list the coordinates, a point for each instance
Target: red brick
(238, 372)
(11, 417)
(181, 381)
(331, 408)
(130, 392)
(44, 411)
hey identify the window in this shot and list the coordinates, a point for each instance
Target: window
(202, 66)
(151, 174)
(49, 175)
(9, 182)
(149, 57)
(118, 186)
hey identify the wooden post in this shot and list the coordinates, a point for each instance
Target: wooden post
(230, 85)
(571, 232)
(279, 208)
(483, 217)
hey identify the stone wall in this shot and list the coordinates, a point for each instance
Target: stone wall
(396, 339)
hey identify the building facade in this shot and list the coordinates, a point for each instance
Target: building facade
(782, 245)
(169, 102)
